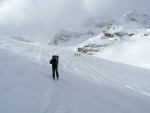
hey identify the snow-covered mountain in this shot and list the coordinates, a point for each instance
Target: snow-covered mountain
(124, 27)
(129, 22)
(63, 36)
(90, 27)
(21, 39)
(126, 40)
(134, 17)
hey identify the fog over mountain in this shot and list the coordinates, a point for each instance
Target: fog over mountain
(36, 19)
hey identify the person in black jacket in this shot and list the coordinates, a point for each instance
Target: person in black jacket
(54, 62)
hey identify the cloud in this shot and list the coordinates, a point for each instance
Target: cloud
(36, 17)
(93, 6)
(42, 18)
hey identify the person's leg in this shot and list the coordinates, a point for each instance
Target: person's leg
(53, 73)
(57, 73)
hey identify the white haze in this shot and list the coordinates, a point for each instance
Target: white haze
(41, 19)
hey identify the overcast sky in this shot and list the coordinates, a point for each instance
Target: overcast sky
(42, 18)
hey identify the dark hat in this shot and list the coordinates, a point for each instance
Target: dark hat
(54, 56)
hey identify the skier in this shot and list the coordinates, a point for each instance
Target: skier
(54, 62)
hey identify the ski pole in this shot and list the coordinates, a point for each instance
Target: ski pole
(61, 70)
(52, 73)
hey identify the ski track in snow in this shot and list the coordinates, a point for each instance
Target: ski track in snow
(86, 85)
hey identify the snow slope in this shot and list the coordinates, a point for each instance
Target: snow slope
(87, 84)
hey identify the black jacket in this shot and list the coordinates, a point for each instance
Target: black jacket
(54, 62)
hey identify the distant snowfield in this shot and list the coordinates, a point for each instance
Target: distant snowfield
(87, 84)
(133, 52)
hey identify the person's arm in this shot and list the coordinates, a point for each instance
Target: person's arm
(57, 57)
(51, 61)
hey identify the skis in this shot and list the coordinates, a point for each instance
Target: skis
(54, 78)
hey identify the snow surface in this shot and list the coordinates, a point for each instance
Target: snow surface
(87, 84)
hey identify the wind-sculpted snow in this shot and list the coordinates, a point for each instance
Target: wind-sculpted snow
(87, 84)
